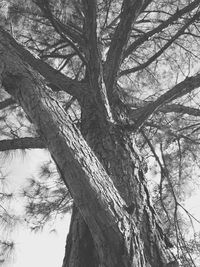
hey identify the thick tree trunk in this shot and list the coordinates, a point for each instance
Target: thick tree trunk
(108, 187)
(123, 163)
(80, 248)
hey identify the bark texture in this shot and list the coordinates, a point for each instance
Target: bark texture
(114, 223)
(122, 161)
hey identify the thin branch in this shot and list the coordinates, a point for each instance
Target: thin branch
(21, 143)
(59, 27)
(6, 103)
(169, 131)
(161, 51)
(177, 108)
(162, 169)
(62, 82)
(135, 103)
(184, 87)
(189, 214)
(162, 26)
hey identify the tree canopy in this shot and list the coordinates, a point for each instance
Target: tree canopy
(129, 67)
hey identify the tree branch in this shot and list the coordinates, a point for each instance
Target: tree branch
(7, 102)
(160, 52)
(134, 103)
(184, 87)
(177, 108)
(129, 13)
(61, 82)
(94, 64)
(62, 29)
(162, 26)
(21, 143)
(167, 130)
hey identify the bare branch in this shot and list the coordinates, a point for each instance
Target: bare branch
(53, 76)
(167, 130)
(21, 143)
(184, 87)
(6, 103)
(61, 29)
(160, 52)
(162, 26)
(130, 12)
(94, 64)
(180, 109)
(134, 103)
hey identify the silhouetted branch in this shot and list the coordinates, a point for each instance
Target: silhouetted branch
(161, 51)
(6, 103)
(129, 13)
(162, 26)
(21, 143)
(61, 82)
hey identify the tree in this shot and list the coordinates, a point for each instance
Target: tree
(108, 61)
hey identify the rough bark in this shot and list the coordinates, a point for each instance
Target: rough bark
(119, 156)
(111, 196)
(80, 247)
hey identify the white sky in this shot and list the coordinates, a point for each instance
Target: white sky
(40, 249)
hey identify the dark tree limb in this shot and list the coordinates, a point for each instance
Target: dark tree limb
(61, 82)
(134, 103)
(162, 26)
(162, 50)
(7, 102)
(177, 108)
(179, 90)
(21, 143)
(130, 11)
(94, 64)
(61, 29)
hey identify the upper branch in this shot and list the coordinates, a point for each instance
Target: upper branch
(177, 108)
(134, 103)
(65, 31)
(53, 76)
(162, 26)
(184, 87)
(167, 45)
(130, 11)
(93, 57)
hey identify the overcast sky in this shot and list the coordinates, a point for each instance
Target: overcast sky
(41, 249)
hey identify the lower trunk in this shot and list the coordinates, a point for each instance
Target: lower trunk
(80, 250)
(121, 160)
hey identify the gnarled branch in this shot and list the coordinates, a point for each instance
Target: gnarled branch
(162, 50)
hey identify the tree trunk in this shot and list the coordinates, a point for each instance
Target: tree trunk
(120, 158)
(103, 172)
(80, 249)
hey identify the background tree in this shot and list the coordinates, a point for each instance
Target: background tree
(97, 80)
